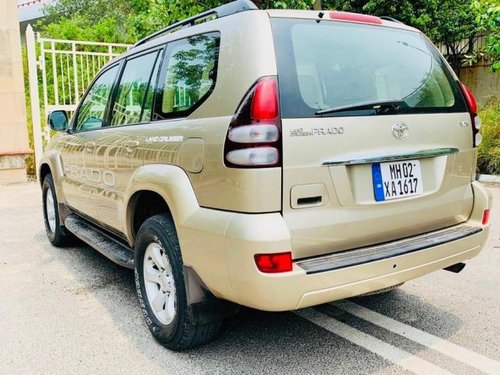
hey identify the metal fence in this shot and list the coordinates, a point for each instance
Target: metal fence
(60, 72)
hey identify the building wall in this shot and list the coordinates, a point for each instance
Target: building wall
(13, 129)
(482, 81)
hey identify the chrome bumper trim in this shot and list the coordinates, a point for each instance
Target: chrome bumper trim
(374, 253)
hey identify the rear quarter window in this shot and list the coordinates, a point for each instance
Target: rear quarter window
(188, 76)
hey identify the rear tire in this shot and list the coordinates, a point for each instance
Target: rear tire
(56, 233)
(159, 279)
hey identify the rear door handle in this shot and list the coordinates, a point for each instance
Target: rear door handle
(90, 146)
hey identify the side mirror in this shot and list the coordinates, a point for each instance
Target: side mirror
(58, 120)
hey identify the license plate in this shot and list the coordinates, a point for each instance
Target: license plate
(398, 179)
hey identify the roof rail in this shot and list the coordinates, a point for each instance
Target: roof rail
(221, 11)
(387, 18)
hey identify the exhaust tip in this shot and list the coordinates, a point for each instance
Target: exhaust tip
(455, 268)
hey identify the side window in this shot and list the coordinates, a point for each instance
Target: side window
(93, 109)
(134, 100)
(188, 76)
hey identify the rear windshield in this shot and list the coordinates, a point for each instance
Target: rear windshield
(332, 64)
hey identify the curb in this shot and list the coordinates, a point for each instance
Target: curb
(488, 178)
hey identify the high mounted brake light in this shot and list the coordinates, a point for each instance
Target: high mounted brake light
(475, 120)
(355, 17)
(254, 135)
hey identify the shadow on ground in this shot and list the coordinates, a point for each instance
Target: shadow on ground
(253, 341)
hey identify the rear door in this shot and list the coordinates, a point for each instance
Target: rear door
(377, 140)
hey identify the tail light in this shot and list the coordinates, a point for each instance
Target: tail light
(274, 263)
(476, 121)
(254, 135)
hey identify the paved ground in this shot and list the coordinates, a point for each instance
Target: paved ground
(73, 311)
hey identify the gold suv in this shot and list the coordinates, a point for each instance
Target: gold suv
(273, 159)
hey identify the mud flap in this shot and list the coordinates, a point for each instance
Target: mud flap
(205, 307)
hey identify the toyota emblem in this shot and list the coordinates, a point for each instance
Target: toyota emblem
(400, 130)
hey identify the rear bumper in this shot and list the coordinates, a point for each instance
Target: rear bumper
(388, 250)
(308, 284)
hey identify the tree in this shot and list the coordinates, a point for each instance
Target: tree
(286, 4)
(443, 21)
(95, 20)
(488, 19)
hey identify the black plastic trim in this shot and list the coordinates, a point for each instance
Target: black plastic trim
(100, 240)
(387, 250)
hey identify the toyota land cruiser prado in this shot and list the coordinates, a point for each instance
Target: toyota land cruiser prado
(273, 159)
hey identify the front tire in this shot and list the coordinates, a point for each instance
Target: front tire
(56, 232)
(161, 290)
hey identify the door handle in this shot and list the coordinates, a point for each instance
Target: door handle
(90, 146)
(130, 146)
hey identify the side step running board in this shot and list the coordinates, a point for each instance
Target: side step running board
(111, 249)
(363, 255)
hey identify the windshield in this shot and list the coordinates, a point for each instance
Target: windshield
(338, 64)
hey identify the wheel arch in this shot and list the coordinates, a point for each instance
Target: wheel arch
(51, 163)
(44, 171)
(158, 188)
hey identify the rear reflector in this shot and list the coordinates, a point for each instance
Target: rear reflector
(355, 17)
(486, 217)
(274, 263)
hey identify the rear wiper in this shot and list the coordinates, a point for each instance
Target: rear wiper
(381, 105)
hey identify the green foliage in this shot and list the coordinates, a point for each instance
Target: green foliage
(443, 21)
(95, 20)
(488, 18)
(282, 4)
(152, 15)
(78, 28)
(121, 21)
(489, 151)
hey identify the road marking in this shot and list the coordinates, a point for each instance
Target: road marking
(387, 351)
(466, 356)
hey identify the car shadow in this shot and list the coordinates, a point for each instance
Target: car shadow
(253, 341)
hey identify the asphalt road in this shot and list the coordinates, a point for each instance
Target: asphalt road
(71, 311)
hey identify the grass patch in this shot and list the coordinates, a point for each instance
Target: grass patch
(489, 151)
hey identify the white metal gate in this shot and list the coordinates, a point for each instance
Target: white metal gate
(66, 68)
